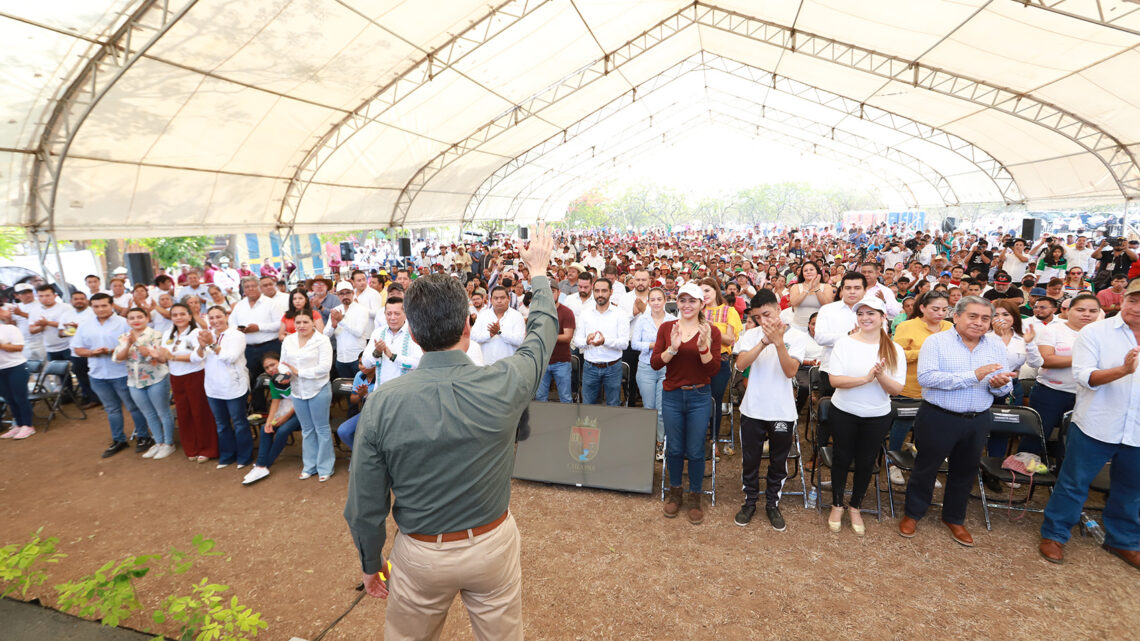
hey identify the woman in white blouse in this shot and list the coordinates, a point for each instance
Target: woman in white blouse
(226, 384)
(196, 425)
(1056, 390)
(308, 357)
(866, 369)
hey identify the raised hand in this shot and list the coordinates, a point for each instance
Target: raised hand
(774, 330)
(1131, 359)
(675, 337)
(536, 255)
(1001, 378)
(1029, 334)
(703, 336)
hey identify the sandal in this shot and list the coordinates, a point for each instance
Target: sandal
(835, 526)
(304, 475)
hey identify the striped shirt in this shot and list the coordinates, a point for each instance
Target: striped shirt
(946, 371)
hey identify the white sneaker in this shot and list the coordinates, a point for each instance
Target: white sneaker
(241, 465)
(154, 449)
(164, 451)
(255, 475)
(24, 433)
(937, 484)
(12, 431)
(222, 466)
(897, 477)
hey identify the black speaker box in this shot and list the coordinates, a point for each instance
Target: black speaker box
(347, 252)
(949, 224)
(406, 247)
(523, 231)
(140, 267)
(1031, 229)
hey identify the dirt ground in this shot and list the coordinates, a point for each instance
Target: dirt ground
(596, 564)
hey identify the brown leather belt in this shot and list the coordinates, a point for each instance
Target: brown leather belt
(461, 534)
(692, 387)
(603, 365)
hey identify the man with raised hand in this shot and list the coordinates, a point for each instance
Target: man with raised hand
(440, 440)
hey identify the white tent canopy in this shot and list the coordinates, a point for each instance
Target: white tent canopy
(215, 116)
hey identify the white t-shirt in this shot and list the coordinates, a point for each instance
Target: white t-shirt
(853, 357)
(1013, 265)
(11, 334)
(768, 396)
(1060, 337)
(53, 342)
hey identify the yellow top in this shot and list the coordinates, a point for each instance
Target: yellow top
(911, 334)
(723, 316)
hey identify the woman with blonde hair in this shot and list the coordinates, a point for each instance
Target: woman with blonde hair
(861, 405)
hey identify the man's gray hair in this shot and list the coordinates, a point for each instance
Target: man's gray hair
(252, 279)
(436, 307)
(966, 301)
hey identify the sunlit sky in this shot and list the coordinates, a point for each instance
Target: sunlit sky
(718, 161)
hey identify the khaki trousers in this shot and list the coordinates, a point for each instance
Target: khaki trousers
(484, 570)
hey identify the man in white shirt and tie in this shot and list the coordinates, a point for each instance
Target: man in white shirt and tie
(348, 322)
(259, 318)
(602, 332)
(392, 348)
(500, 329)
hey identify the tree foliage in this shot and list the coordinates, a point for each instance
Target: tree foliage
(10, 239)
(641, 207)
(190, 250)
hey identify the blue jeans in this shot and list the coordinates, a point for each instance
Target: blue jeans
(649, 383)
(235, 443)
(1051, 404)
(269, 445)
(316, 438)
(347, 430)
(686, 414)
(1084, 458)
(154, 403)
(560, 373)
(113, 394)
(595, 379)
(719, 384)
(14, 391)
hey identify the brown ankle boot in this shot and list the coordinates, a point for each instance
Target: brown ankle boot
(693, 505)
(672, 502)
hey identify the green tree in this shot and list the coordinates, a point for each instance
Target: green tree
(178, 249)
(10, 239)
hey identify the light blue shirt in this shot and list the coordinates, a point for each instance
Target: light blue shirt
(645, 335)
(946, 371)
(93, 334)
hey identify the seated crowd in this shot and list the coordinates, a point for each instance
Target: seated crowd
(884, 313)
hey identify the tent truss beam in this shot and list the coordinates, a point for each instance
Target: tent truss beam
(93, 80)
(1107, 13)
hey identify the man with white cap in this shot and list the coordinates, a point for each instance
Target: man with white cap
(349, 323)
(25, 307)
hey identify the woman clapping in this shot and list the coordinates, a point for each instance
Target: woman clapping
(226, 384)
(861, 406)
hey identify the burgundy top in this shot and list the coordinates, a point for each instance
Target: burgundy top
(686, 367)
(565, 321)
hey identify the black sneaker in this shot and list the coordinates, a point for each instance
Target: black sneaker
(143, 444)
(115, 448)
(776, 519)
(744, 516)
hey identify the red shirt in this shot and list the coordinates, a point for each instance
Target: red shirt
(561, 352)
(686, 367)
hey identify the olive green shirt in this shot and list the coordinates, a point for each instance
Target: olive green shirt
(440, 439)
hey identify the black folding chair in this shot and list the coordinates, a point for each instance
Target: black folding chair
(50, 387)
(824, 456)
(624, 393)
(576, 378)
(260, 389)
(341, 388)
(905, 410)
(1014, 421)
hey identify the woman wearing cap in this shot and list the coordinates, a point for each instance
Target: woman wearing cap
(649, 380)
(1056, 390)
(196, 425)
(724, 317)
(687, 349)
(861, 405)
(226, 382)
(308, 357)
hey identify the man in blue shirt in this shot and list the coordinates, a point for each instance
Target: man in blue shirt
(961, 372)
(95, 340)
